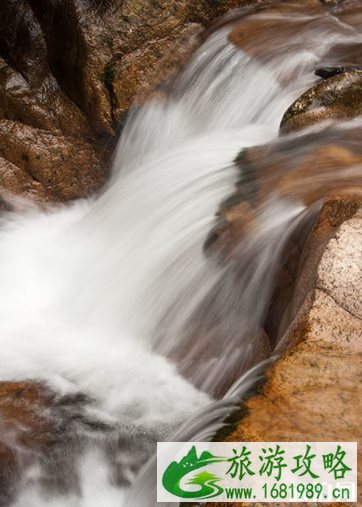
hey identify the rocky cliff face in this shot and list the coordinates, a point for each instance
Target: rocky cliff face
(69, 71)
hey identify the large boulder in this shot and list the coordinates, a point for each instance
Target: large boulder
(336, 98)
(46, 140)
(311, 391)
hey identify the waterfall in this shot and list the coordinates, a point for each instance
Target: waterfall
(99, 296)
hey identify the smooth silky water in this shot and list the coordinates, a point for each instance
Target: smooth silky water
(97, 296)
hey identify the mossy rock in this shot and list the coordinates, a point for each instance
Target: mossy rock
(336, 98)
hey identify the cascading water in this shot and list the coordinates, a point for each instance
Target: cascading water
(97, 295)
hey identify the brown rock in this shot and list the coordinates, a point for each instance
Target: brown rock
(16, 185)
(24, 409)
(82, 47)
(340, 269)
(149, 42)
(70, 71)
(58, 162)
(311, 392)
(265, 37)
(142, 71)
(306, 168)
(38, 119)
(26, 430)
(199, 353)
(336, 98)
(42, 429)
(334, 212)
(312, 169)
(233, 225)
(329, 170)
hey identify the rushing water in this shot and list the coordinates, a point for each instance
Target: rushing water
(98, 296)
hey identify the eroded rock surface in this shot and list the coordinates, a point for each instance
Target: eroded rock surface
(305, 169)
(336, 98)
(69, 72)
(311, 393)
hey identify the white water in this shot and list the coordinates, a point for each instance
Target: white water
(95, 294)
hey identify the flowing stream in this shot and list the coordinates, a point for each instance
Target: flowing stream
(109, 302)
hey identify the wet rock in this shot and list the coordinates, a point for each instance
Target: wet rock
(24, 409)
(334, 169)
(42, 436)
(148, 43)
(140, 74)
(264, 36)
(70, 71)
(337, 98)
(57, 162)
(311, 392)
(84, 46)
(304, 169)
(38, 118)
(311, 170)
(26, 429)
(327, 72)
(234, 223)
(17, 188)
(199, 352)
(334, 2)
